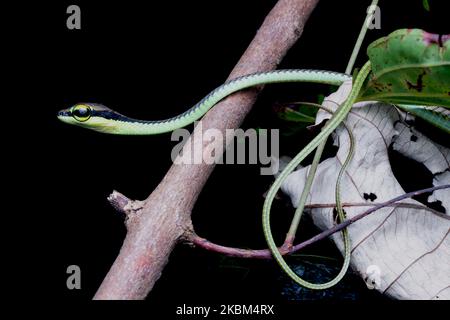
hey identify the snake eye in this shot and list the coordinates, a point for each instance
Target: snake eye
(81, 112)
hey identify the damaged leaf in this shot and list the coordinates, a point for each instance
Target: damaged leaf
(409, 66)
(409, 244)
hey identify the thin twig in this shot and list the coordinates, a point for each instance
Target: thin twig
(353, 219)
(266, 254)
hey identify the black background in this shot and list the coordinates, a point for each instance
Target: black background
(149, 60)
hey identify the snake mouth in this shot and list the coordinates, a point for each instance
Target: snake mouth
(63, 113)
(64, 116)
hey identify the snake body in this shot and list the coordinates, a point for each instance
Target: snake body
(334, 121)
(100, 118)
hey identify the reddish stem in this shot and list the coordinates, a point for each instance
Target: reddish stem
(266, 254)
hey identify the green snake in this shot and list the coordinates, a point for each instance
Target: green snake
(334, 121)
(100, 118)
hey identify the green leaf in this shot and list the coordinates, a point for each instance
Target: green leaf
(296, 116)
(303, 114)
(426, 5)
(409, 66)
(439, 117)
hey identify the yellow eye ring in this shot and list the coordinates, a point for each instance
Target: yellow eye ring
(81, 112)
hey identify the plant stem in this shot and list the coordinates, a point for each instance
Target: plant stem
(290, 237)
(360, 39)
(301, 204)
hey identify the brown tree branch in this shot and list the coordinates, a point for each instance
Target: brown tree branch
(157, 223)
(284, 250)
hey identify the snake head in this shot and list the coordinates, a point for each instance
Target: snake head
(89, 115)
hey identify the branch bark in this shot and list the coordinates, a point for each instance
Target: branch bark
(156, 224)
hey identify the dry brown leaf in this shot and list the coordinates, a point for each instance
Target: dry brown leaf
(405, 251)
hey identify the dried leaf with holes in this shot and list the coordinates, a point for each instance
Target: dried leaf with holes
(410, 246)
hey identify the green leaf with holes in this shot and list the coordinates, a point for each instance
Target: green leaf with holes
(409, 66)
